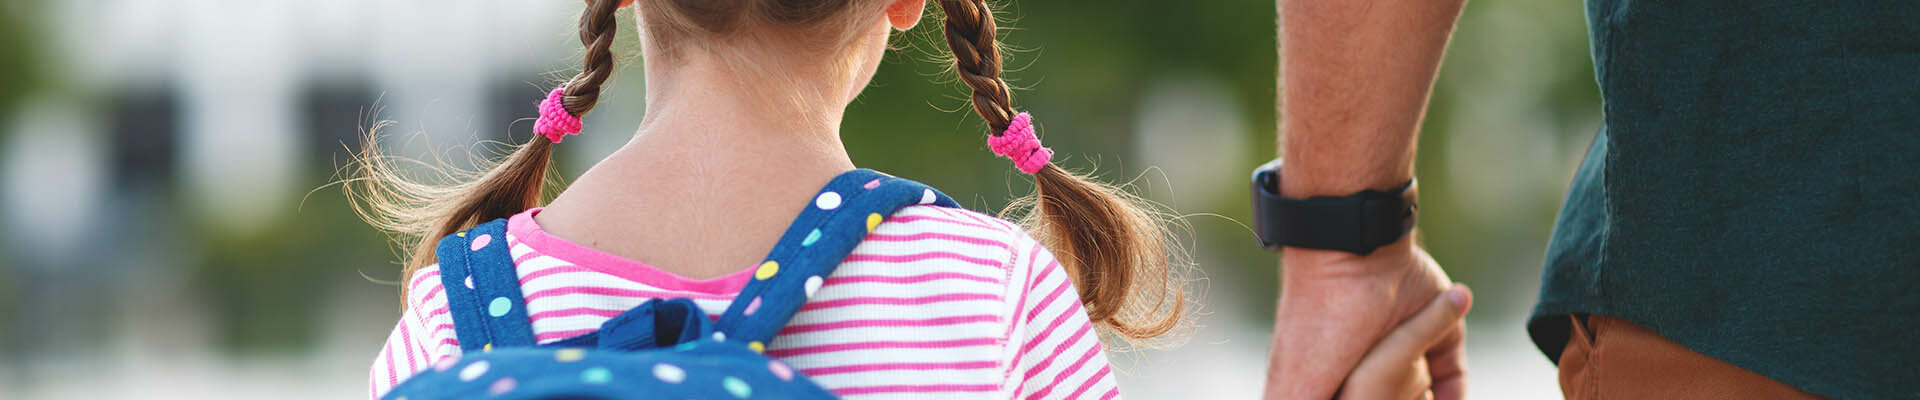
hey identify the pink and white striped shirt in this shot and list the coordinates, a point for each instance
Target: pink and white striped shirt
(935, 303)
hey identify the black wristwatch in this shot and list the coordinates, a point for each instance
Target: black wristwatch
(1357, 223)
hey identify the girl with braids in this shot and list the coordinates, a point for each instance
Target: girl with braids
(744, 102)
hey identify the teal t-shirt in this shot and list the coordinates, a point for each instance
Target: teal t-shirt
(1755, 192)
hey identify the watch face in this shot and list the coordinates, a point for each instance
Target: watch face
(1267, 177)
(1266, 191)
(1268, 181)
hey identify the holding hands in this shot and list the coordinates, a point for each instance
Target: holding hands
(1388, 325)
(1397, 366)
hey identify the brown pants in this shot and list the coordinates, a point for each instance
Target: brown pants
(1610, 358)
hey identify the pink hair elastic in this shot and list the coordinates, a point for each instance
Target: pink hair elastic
(555, 122)
(1020, 145)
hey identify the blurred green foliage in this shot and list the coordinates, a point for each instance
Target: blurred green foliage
(1082, 66)
(20, 60)
(265, 290)
(19, 77)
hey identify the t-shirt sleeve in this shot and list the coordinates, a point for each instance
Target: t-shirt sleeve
(1060, 356)
(423, 336)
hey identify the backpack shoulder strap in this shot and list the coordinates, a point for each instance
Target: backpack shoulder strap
(483, 290)
(822, 236)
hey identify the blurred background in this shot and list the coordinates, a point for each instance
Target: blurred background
(170, 231)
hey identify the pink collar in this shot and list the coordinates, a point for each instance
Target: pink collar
(524, 228)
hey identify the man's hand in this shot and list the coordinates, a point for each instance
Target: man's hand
(1334, 306)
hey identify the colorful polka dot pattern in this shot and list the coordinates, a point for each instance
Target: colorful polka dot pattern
(601, 371)
(827, 201)
(569, 355)
(473, 275)
(736, 387)
(846, 210)
(780, 370)
(767, 270)
(499, 307)
(753, 305)
(813, 285)
(596, 376)
(502, 386)
(474, 370)
(669, 373)
(481, 242)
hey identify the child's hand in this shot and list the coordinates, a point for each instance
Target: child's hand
(1396, 367)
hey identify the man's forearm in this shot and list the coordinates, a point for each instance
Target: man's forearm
(1355, 76)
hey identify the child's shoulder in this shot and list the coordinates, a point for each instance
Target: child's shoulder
(952, 221)
(957, 231)
(953, 216)
(424, 289)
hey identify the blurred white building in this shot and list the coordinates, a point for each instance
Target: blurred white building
(168, 116)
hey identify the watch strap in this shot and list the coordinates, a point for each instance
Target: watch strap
(1357, 223)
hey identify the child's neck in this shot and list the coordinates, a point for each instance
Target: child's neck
(711, 179)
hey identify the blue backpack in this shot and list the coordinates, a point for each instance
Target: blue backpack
(661, 349)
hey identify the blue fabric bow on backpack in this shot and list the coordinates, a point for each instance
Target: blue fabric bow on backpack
(661, 349)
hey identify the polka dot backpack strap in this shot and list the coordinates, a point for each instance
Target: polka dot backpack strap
(483, 290)
(821, 237)
(661, 349)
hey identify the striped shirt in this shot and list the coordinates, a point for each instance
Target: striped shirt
(935, 303)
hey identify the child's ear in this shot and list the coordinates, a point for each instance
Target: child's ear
(904, 14)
